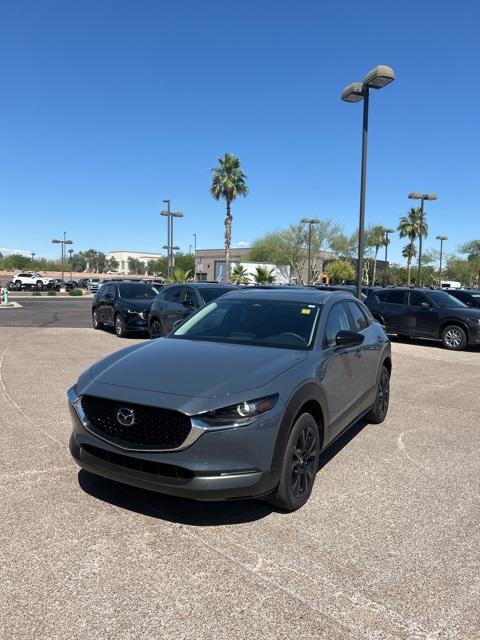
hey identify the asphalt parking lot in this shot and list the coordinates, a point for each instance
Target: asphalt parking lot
(386, 548)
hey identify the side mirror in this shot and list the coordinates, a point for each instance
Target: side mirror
(348, 339)
(176, 324)
(189, 304)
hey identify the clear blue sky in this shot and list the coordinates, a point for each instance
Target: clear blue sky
(109, 106)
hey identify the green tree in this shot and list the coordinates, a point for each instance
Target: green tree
(340, 271)
(239, 275)
(375, 238)
(264, 275)
(472, 248)
(136, 267)
(228, 182)
(17, 261)
(185, 261)
(409, 227)
(409, 252)
(180, 275)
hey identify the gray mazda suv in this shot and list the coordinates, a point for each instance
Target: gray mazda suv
(238, 401)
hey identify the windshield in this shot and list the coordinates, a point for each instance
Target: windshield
(137, 291)
(445, 300)
(266, 323)
(210, 293)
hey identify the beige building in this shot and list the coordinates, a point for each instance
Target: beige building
(122, 258)
(210, 263)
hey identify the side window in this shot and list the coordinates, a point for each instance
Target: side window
(188, 295)
(396, 297)
(381, 296)
(417, 298)
(105, 290)
(337, 321)
(360, 321)
(173, 294)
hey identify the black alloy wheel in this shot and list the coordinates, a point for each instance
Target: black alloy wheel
(379, 411)
(156, 330)
(299, 465)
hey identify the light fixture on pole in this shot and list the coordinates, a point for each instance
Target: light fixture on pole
(442, 240)
(386, 231)
(63, 243)
(309, 221)
(415, 195)
(33, 254)
(170, 215)
(376, 79)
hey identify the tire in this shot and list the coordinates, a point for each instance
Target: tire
(454, 338)
(95, 321)
(299, 465)
(18, 283)
(155, 329)
(119, 325)
(39, 284)
(378, 412)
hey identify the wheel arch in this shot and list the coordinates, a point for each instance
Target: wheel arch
(453, 322)
(307, 399)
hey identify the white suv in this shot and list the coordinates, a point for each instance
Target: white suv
(31, 278)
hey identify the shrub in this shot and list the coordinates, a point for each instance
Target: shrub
(51, 292)
(36, 293)
(75, 292)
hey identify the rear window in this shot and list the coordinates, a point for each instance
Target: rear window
(137, 291)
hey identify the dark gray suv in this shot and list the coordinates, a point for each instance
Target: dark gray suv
(238, 401)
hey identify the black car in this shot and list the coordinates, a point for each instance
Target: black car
(471, 297)
(123, 305)
(426, 313)
(177, 301)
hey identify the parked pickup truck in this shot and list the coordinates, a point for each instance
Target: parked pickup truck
(31, 279)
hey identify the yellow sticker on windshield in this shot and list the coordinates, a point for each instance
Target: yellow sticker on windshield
(306, 312)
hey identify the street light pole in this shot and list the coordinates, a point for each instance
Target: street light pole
(441, 238)
(376, 79)
(194, 257)
(63, 243)
(170, 215)
(33, 255)
(309, 221)
(415, 195)
(386, 232)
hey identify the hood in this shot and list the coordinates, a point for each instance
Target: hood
(189, 368)
(137, 304)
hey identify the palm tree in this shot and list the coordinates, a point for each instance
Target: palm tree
(240, 275)
(228, 182)
(376, 239)
(409, 227)
(264, 276)
(409, 252)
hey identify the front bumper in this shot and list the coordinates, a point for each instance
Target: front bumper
(474, 334)
(217, 465)
(134, 322)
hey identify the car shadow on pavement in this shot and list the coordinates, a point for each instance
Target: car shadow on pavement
(172, 509)
(193, 512)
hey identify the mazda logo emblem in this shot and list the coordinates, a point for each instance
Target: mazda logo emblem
(126, 417)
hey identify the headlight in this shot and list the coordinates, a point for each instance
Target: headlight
(141, 314)
(475, 320)
(237, 415)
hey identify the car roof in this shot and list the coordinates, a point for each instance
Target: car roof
(203, 285)
(294, 294)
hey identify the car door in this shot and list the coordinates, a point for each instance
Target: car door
(336, 374)
(102, 301)
(189, 300)
(421, 316)
(391, 306)
(366, 361)
(172, 309)
(109, 304)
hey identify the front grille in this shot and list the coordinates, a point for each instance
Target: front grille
(153, 428)
(145, 466)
